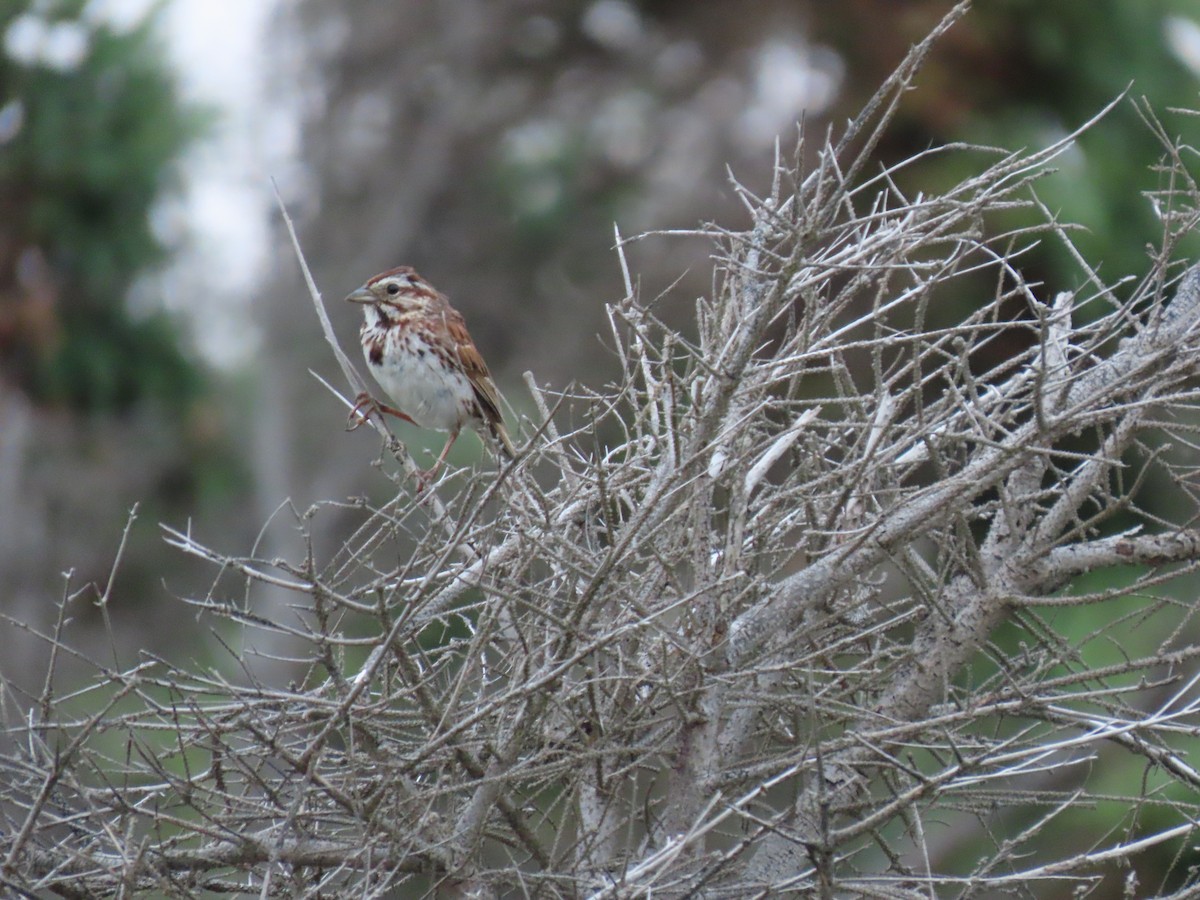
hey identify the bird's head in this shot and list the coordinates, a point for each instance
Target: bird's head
(398, 290)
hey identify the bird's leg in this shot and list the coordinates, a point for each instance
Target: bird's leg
(370, 404)
(425, 477)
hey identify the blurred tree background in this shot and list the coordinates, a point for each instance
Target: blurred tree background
(102, 402)
(492, 145)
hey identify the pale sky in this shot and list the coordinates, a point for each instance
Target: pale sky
(219, 46)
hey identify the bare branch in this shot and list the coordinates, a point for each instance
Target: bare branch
(846, 556)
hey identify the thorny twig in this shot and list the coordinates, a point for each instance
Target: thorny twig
(801, 580)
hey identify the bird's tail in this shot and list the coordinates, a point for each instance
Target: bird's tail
(506, 444)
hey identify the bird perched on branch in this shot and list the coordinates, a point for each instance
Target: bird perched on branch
(418, 348)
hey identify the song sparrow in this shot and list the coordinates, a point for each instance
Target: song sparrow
(417, 347)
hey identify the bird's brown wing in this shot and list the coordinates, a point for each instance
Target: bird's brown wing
(475, 368)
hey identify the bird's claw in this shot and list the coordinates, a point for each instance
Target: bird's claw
(365, 401)
(356, 418)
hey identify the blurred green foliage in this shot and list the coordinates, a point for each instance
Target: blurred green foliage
(87, 147)
(1023, 74)
(1065, 62)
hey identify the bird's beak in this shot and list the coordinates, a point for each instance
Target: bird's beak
(362, 295)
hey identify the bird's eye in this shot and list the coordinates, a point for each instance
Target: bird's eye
(393, 288)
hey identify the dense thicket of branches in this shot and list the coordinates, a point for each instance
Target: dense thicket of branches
(768, 614)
